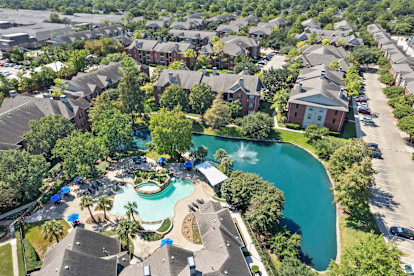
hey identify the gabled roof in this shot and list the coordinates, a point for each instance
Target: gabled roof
(228, 28)
(310, 23)
(15, 114)
(345, 24)
(165, 47)
(267, 30)
(190, 23)
(244, 40)
(317, 91)
(192, 34)
(222, 17)
(332, 35)
(324, 54)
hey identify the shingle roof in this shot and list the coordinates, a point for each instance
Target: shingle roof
(165, 47)
(226, 83)
(317, 91)
(311, 23)
(221, 17)
(332, 35)
(324, 54)
(192, 34)
(345, 24)
(191, 23)
(15, 114)
(40, 31)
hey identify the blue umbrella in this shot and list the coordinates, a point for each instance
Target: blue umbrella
(188, 164)
(65, 190)
(76, 179)
(73, 217)
(166, 241)
(55, 198)
(161, 159)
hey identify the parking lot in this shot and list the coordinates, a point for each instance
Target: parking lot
(276, 61)
(392, 203)
(12, 71)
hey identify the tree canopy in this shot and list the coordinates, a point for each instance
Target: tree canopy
(200, 98)
(257, 125)
(174, 96)
(218, 114)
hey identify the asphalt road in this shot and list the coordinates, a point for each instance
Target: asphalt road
(393, 202)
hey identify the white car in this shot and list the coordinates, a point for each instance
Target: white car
(367, 120)
(361, 104)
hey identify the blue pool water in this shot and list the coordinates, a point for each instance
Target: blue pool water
(140, 138)
(309, 210)
(153, 207)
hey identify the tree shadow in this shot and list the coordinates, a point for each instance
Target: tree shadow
(274, 135)
(362, 220)
(384, 200)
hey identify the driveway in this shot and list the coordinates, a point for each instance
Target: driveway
(393, 202)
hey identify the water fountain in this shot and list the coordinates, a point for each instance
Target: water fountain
(243, 154)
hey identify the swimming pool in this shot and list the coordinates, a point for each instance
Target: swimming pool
(153, 207)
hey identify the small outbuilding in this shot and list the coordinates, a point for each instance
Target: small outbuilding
(214, 176)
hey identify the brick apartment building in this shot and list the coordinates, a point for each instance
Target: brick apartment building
(244, 88)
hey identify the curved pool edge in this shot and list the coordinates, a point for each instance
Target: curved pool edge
(338, 236)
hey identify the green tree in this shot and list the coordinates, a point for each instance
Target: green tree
(312, 38)
(58, 88)
(191, 55)
(132, 208)
(294, 267)
(104, 203)
(78, 59)
(105, 103)
(43, 133)
(257, 125)
(218, 114)
(325, 42)
(243, 62)
(114, 128)
(226, 164)
(200, 98)
(220, 154)
(202, 60)
(176, 65)
(54, 17)
(171, 132)
(406, 124)
(386, 78)
(129, 91)
(401, 111)
(235, 108)
(285, 245)
(52, 229)
(125, 231)
(79, 152)
(313, 132)
(21, 175)
(174, 96)
(87, 201)
(334, 65)
(369, 255)
(200, 153)
(327, 146)
(364, 55)
(394, 91)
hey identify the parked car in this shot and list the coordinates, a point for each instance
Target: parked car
(375, 154)
(408, 268)
(362, 104)
(402, 232)
(367, 120)
(373, 146)
(361, 98)
(364, 110)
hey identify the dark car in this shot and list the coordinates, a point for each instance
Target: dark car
(373, 145)
(376, 154)
(361, 99)
(402, 232)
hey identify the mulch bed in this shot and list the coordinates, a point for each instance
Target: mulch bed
(187, 228)
(96, 216)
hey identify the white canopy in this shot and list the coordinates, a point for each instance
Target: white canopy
(213, 175)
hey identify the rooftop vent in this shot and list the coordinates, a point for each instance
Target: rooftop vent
(77, 243)
(67, 267)
(147, 271)
(172, 257)
(190, 261)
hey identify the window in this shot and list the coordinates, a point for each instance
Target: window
(239, 96)
(251, 105)
(80, 115)
(319, 118)
(83, 124)
(159, 88)
(159, 95)
(251, 97)
(310, 109)
(296, 114)
(249, 112)
(320, 110)
(297, 106)
(135, 50)
(336, 112)
(309, 117)
(333, 121)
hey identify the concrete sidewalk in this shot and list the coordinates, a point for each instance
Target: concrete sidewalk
(254, 259)
(24, 207)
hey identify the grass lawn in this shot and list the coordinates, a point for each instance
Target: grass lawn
(108, 233)
(352, 227)
(154, 155)
(34, 235)
(165, 226)
(348, 130)
(19, 252)
(6, 262)
(193, 114)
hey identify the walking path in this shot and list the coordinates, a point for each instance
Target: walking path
(14, 257)
(254, 259)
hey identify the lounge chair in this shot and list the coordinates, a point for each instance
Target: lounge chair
(194, 204)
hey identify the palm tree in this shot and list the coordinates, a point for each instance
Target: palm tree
(220, 154)
(87, 202)
(52, 228)
(131, 209)
(226, 164)
(126, 230)
(104, 203)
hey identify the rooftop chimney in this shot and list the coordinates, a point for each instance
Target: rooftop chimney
(323, 74)
(246, 70)
(300, 87)
(343, 34)
(340, 69)
(164, 39)
(317, 27)
(204, 70)
(159, 39)
(341, 93)
(182, 66)
(241, 81)
(307, 65)
(342, 28)
(147, 271)
(214, 71)
(13, 93)
(190, 261)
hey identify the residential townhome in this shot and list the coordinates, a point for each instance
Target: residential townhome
(318, 54)
(245, 88)
(197, 38)
(17, 111)
(344, 24)
(318, 97)
(223, 18)
(263, 30)
(339, 37)
(160, 52)
(189, 24)
(232, 27)
(196, 15)
(157, 24)
(233, 46)
(90, 85)
(312, 23)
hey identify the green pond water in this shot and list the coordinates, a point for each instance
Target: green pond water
(309, 210)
